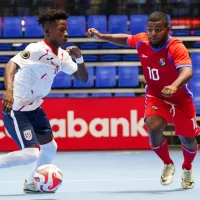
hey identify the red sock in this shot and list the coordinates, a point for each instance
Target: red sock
(189, 156)
(163, 152)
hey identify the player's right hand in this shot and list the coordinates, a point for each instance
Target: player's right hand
(94, 33)
(8, 101)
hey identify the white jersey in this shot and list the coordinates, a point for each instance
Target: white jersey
(38, 67)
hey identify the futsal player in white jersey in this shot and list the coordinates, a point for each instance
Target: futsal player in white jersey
(37, 66)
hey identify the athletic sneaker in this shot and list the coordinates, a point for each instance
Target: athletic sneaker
(187, 179)
(30, 188)
(167, 174)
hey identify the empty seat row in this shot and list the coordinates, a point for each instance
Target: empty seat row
(83, 95)
(77, 25)
(94, 58)
(99, 77)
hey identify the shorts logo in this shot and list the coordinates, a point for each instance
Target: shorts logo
(28, 135)
(25, 54)
(154, 108)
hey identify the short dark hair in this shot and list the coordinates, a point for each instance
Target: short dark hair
(159, 16)
(51, 15)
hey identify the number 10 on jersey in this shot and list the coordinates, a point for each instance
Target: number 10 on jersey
(153, 74)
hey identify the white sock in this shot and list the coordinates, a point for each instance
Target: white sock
(21, 157)
(46, 155)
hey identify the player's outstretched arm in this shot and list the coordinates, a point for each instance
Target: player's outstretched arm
(81, 73)
(118, 39)
(9, 75)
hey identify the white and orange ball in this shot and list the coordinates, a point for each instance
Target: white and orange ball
(48, 178)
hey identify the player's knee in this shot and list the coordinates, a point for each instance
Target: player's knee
(155, 126)
(189, 143)
(50, 147)
(31, 154)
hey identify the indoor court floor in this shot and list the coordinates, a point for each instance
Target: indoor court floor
(105, 175)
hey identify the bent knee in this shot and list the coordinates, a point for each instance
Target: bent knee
(155, 124)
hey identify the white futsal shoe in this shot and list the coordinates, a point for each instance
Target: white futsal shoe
(187, 179)
(167, 174)
(30, 188)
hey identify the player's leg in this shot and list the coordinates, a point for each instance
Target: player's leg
(48, 146)
(189, 149)
(22, 133)
(186, 128)
(157, 116)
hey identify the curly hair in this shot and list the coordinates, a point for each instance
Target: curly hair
(51, 15)
(159, 16)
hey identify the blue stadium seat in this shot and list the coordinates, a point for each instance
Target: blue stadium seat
(118, 24)
(90, 58)
(132, 57)
(2, 86)
(105, 77)
(181, 33)
(1, 96)
(4, 59)
(197, 44)
(1, 72)
(55, 95)
(110, 58)
(107, 45)
(6, 47)
(78, 95)
(196, 32)
(89, 45)
(76, 26)
(20, 46)
(98, 94)
(0, 26)
(195, 57)
(99, 22)
(138, 23)
(32, 28)
(89, 83)
(62, 80)
(128, 76)
(128, 94)
(12, 27)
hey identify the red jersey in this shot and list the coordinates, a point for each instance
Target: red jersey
(160, 66)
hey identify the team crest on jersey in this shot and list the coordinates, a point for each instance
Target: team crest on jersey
(28, 135)
(25, 54)
(162, 62)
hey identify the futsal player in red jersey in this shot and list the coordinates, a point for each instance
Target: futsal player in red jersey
(167, 69)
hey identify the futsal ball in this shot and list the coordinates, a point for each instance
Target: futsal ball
(48, 178)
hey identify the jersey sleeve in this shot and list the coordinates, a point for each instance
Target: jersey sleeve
(134, 40)
(30, 54)
(69, 66)
(180, 56)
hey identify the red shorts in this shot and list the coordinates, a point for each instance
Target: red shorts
(182, 117)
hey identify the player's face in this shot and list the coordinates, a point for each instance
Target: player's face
(58, 32)
(157, 32)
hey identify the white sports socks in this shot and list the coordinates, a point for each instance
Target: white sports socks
(21, 157)
(46, 155)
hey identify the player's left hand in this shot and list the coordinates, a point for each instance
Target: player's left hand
(74, 52)
(168, 91)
